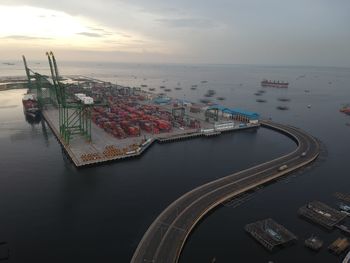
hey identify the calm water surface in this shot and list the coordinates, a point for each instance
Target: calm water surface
(53, 212)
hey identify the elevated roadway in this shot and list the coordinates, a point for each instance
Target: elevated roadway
(165, 238)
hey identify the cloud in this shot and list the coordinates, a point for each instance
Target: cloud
(187, 22)
(23, 37)
(98, 29)
(89, 34)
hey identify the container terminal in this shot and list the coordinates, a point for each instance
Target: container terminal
(97, 121)
(321, 214)
(270, 234)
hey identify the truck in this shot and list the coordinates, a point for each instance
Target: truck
(282, 168)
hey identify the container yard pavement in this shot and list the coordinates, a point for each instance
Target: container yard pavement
(100, 140)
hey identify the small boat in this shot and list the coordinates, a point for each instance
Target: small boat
(313, 243)
(205, 101)
(282, 108)
(309, 106)
(210, 93)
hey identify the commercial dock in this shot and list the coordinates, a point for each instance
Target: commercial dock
(96, 121)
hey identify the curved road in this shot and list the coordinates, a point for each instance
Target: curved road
(165, 238)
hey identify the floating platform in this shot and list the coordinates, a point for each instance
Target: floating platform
(270, 234)
(313, 243)
(321, 214)
(339, 245)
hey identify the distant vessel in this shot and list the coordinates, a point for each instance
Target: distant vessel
(274, 84)
(8, 63)
(30, 105)
(282, 108)
(345, 110)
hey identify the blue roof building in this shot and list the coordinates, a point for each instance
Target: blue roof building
(248, 114)
(162, 100)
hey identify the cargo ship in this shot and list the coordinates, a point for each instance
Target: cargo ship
(345, 110)
(274, 84)
(30, 105)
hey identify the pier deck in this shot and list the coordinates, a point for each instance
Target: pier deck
(101, 140)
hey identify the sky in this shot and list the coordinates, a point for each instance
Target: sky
(270, 32)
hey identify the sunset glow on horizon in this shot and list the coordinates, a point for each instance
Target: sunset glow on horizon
(234, 32)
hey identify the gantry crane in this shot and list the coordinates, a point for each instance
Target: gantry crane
(74, 115)
(39, 84)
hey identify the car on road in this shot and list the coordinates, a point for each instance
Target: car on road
(282, 168)
(303, 154)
